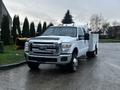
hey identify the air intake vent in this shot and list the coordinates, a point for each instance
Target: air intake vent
(30, 47)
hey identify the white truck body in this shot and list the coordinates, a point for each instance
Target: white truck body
(94, 39)
(57, 49)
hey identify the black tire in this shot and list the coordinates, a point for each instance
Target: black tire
(33, 65)
(95, 52)
(73, 65)
(92, 54)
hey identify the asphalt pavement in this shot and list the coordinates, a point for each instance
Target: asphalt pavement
(100, 73)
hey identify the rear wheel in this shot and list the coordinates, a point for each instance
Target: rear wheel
(93, 53)
(33, 65)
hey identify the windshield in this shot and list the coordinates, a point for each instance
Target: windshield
(61, 31)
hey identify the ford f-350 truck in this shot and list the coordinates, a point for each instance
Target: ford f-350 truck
(61, 45)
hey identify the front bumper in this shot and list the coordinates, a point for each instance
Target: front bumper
(60, 59)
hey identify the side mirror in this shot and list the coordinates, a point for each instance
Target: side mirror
(80, 37)
(86, 37)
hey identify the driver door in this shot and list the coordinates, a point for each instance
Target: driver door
(81, 41)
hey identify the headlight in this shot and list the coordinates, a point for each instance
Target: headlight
(26, 47)
(66, 45)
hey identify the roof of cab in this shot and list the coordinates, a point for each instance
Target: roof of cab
(63, 26)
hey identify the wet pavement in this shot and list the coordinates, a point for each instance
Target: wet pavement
(100, 73)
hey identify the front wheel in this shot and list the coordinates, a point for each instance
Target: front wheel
(33, 65)
(73, 65)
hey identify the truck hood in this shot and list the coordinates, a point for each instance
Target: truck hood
(58, 39)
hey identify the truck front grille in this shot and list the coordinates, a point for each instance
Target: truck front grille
(44, 48)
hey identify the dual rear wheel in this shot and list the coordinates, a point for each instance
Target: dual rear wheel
(92, 53)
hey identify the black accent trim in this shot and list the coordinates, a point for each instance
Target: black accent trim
(41, 59)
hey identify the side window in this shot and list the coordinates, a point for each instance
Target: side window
(81, 33)
(84, 30)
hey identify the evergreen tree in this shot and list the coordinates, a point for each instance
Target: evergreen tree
(13, 31)
(5, 30)
(39, 29)
(68, 18)
(51, 24)
(25, 31)
(16, 31)
(44, 27)
(18, 26)
(32, 30)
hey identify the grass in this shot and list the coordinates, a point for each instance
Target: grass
(110, 40)
(11, 55)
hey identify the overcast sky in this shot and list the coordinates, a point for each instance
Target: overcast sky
(54, 10)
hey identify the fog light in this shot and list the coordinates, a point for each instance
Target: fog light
(64, 59)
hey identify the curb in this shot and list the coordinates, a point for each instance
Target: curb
(10, 66)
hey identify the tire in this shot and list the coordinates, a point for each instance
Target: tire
(95, 52)
(92, 54)
(73, 65)
(33, 65)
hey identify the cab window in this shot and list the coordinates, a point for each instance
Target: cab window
(81, 32)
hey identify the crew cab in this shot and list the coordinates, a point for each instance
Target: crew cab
(61, 45)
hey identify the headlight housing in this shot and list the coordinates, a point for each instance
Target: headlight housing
(66, 47)
(26, 47)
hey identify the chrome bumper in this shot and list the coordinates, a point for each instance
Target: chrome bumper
(60, 59)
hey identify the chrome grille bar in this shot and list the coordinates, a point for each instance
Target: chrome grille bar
(45, 48)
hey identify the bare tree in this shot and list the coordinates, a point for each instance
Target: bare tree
(96, 22)
(105, 27)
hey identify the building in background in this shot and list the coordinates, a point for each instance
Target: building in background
(4, 11)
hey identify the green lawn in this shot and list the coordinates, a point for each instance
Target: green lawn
(11, 55)
(110, 40)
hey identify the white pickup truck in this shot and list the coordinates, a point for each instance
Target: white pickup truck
(61, 45)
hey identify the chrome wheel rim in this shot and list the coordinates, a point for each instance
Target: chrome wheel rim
(75, 64)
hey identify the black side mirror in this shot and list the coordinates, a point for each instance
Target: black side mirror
(86, 37)
(80, 37)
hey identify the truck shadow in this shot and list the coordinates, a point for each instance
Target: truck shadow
(54, 69)
(48, 75)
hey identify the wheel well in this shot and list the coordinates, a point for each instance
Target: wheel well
(75, 51)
